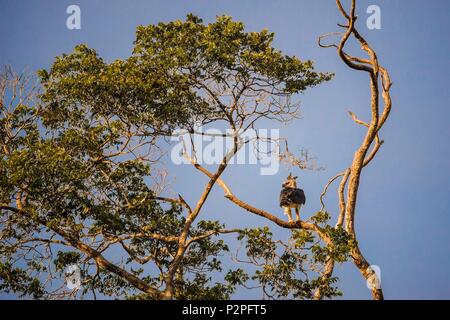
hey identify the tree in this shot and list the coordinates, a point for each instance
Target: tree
(369, 147)
(81, 177)
(76, 161)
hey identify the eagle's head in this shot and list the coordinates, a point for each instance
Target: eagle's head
(290, 182)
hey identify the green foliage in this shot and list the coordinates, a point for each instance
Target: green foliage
(289, 269)
(64, 259)
(18, 281)
(237, 277)
(321, 217)
(167, 81)
(341, 240)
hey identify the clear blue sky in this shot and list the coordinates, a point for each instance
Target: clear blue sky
(403, 217)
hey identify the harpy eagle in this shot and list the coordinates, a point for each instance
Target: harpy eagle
(291, 197)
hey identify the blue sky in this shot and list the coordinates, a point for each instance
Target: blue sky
(403, 212)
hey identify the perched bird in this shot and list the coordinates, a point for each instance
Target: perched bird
(291, 197)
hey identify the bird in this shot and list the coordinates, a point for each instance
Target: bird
(291, 197)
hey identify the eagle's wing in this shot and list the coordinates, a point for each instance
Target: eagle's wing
(298, 196)
(285, 199)
(291, 195)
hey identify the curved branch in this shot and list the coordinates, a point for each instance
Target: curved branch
(325, 189)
